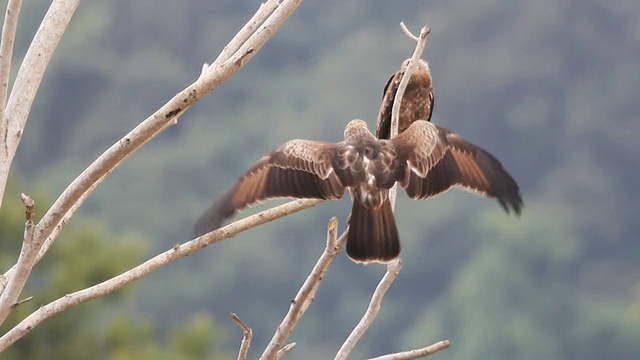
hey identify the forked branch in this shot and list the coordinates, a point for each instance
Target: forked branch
(178, 251)
(307, 292)
(256, 34)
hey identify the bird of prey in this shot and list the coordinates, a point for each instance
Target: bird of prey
(417, 102)
(425, 159)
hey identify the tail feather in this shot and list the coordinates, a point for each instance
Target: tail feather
(373, 235)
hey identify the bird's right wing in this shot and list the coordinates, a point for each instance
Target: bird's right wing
(439, 159)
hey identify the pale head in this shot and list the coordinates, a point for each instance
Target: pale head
(356, 128)
(421, 65)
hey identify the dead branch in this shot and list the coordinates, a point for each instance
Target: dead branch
(28, 81)
(246, 337)
(395, 110)
(393, 269)
(28, 252)
(176, 252)
(73, 196)
(6, 55)
(285, 350)
(307, 292)
(417, 353)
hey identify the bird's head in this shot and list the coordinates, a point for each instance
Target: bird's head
(357, 129)
(421, 65)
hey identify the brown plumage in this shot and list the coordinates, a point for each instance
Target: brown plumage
(417, 102)
(463, 164)
(425, 160)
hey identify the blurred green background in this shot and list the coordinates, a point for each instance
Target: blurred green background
(551, 88)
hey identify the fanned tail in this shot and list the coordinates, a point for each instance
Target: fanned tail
(373, 235)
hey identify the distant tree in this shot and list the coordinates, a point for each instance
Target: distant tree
(103, 328)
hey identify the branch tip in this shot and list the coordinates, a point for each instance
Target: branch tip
(22, 302)
(332, 233)
(416, 353)
(285, 350)
(29, 203)
(240, 323)
(408, 32)
(246, 337)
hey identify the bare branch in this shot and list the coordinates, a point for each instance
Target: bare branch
(246, 337)
(75, 194)
(178, 251)
(393, 269)
(28, 81)
(395, 110)
(28, 253)
(417, 353)
(407, 32)
(249, 28)
(22, 302)
(285, 350)
(28, 204)
(307, 292)
(6, 55)
(151, 126)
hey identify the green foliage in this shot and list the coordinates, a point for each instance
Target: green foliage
(102, 328)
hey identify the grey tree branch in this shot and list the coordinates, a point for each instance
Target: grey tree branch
(54, 220)
(178, 251)
(307, 292)
(393, 269)
(246, 337)
(417, 353)
(14, 120)
(28, 81)
(395, 110)
(249, 28)
(285, 350)
(30, 245)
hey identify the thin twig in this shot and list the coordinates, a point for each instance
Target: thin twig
(307, 292)
(246, 337)
(176, 252)
(285, 350)
(28, 253)
(393, 269)
(407, 32)
(22, 302)
(417, 353)
(395, 110)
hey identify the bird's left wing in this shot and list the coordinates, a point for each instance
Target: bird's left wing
(297, 169)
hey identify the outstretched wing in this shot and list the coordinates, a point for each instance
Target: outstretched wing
(297, 169)
(438, 159)
(417, 102)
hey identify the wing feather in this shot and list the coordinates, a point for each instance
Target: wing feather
(298, 169)
(464, 165)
